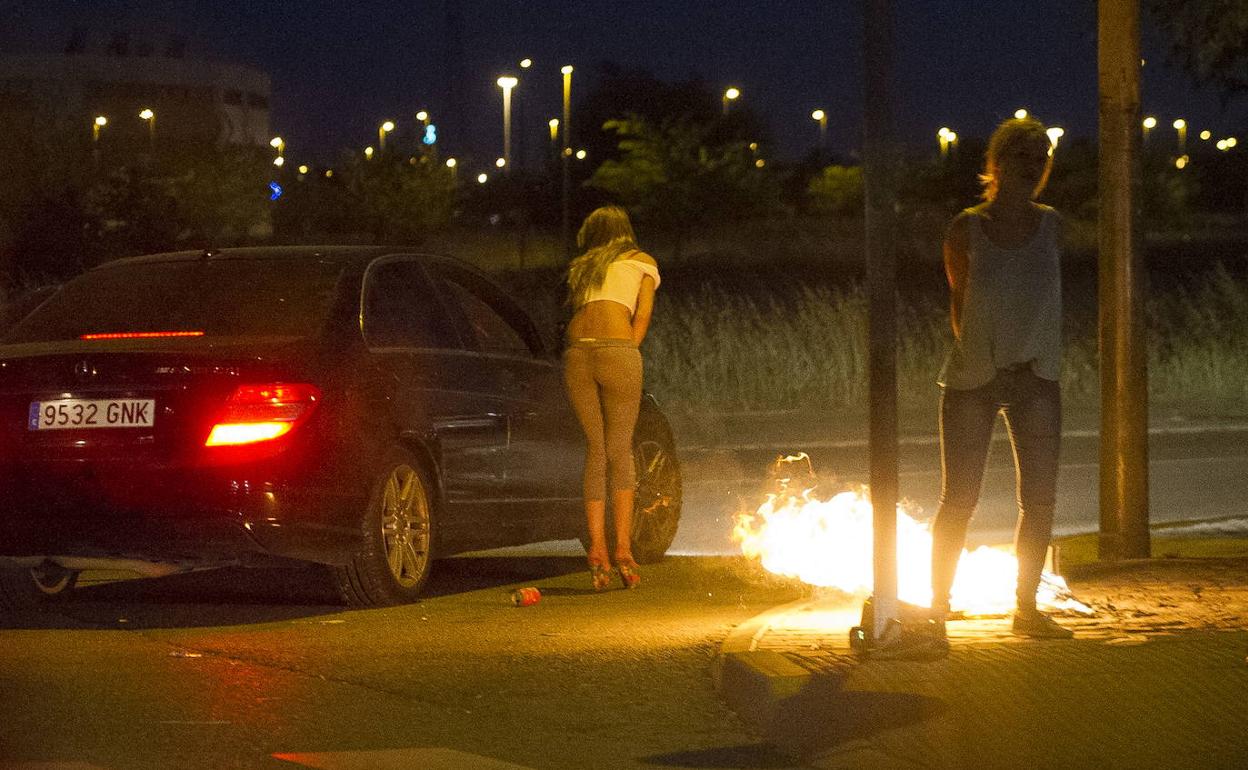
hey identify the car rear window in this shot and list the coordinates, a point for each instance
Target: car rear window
(219, 297)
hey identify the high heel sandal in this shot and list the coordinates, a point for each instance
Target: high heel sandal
(630, 574)
(600, 574)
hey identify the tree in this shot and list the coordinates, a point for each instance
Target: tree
(837, 190)
(401, 200)
(221, 194)
(1209, 38)
(674, 174)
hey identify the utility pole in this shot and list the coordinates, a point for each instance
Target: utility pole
(1121, 331)
(882, 322)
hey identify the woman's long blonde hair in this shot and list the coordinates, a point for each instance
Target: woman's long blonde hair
(605, 236)
(1010, 133)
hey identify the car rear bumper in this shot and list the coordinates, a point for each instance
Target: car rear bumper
(191, 518)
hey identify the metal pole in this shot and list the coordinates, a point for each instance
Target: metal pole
(1122, 340)
(882, 287)
(506, 130)
(565, 160)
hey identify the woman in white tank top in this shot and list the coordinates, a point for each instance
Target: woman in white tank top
(1002, 263)
(611, 290)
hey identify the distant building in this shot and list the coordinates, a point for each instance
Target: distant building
(117, 77)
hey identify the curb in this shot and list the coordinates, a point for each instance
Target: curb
(755, 682)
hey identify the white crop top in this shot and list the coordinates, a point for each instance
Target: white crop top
(623, 282)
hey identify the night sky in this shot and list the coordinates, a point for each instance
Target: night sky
(340, 68)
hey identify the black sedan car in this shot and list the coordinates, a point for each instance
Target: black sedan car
(355, 407)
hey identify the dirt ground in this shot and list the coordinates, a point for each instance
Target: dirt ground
(1162, 595)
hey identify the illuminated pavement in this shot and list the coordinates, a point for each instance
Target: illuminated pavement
(248, 670)
(1155, 679)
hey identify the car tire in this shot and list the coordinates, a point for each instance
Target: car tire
(658, 497)
(30, 588)
(656, 510)
(396, 556)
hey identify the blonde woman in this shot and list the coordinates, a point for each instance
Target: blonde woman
(611, 289)
(1002, 261)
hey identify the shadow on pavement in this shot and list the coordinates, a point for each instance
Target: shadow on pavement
(747, 757)
(244, 596)
(824, 715)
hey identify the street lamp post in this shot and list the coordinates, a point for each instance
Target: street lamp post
(507, 83)
(382, 130)
(1149, 124)
(1180, 126)
(150, 117)
(730, 95)
(946, 138)
(822, 117)
(566, 159)
(453, 165)
(96, 126)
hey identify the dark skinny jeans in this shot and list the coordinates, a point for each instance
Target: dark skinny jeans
(1032, 409)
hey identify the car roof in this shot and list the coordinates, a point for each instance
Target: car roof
(343, 254)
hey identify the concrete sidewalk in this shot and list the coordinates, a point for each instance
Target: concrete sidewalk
(1158, 677)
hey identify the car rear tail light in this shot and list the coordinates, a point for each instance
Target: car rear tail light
(256, 413)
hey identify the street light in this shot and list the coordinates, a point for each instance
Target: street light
(96, 125)
(580, 154)
(566, 169)
(382, 130)
(945, 137)
(1054, 133)
(279, 161)
(1149, 124)
(482, 178)
(526, 63)
(1206, 135)
(822, 117)
(554, 129)
(500, 162)
(150, 117)
(368, 152)
(303, 169)
(507, 83)
(732, 94)
(1180, 125)
(1020, 114)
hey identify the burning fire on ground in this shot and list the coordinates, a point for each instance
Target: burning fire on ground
(828, 543)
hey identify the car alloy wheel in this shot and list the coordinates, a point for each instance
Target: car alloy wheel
(405, 526)
(656, 512)
(396, 550)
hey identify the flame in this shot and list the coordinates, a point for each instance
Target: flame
(828, 543)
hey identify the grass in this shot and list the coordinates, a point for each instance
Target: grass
(1078, 550)
(790, 346)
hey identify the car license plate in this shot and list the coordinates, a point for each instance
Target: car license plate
(66, 413)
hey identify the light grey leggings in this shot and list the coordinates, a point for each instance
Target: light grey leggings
(603, 377)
